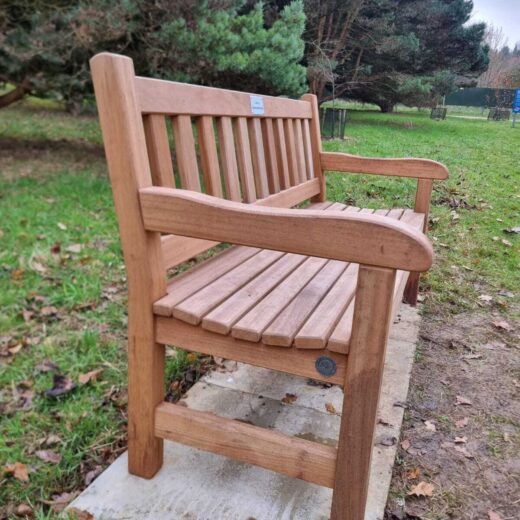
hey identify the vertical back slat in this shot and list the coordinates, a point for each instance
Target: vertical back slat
(314, 126)
(228, 158)
(281, 154)
(300, 154)
(291, 151)
(307, 147)
(273, 176)
(245, 164)
(186, 155)
(258, 156)
(209, 156)
(158, 150)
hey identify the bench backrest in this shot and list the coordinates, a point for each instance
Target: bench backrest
(239, 146)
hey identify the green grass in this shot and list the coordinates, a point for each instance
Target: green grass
(54, 190)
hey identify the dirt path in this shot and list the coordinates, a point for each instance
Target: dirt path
(462, 427)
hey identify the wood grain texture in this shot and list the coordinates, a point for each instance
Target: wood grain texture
(258, 157)
(185, 153)
(245, 163)
(289, 360)
(314, 125)
(416, 168)
(372, 317)
(270, 156)
(159, 155)
(307, 145)
(281, 154)
(290, 146)
(209, 156)
(128, 165)
(228, 158)
(298, 458)
(373, 239)
(170, 98)
(300, 150)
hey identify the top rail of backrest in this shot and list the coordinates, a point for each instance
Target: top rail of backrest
(172, 98)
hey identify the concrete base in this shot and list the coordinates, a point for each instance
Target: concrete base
(194, 485)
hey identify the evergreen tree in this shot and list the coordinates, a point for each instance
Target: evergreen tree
(45, 46)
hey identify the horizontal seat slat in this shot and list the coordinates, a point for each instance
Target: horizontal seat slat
(274, 298)
(171, 98)
(193, 308)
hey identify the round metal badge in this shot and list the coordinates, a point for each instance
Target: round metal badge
(326, 366)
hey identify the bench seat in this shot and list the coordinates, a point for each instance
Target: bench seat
(278, 299)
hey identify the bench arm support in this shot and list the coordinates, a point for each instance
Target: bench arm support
(361, 238)
(415, 168)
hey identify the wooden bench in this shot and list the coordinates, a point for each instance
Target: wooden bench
(306, 291)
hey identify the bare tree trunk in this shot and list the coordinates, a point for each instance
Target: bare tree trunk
(16, 94)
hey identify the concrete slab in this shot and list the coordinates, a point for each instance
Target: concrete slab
(194, 485)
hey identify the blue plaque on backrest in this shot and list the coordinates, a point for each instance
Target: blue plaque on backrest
(516, 102)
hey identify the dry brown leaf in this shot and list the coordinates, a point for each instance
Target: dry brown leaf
(18, 470)
(493, 516)
(63, 227)
(38, 267)
(464, 451)
(90, 376)
(502, 324)
(289, 398)
(27, 315)
(461, 440)
(423, 489)
(506, 243)
(461, 400)
(430, 426)
(485, 298)
(61, 385)
(74, 248)
(17, 274)
(413, 474)
(330, 408)
(48, 456)
(405, 444)
(24, 510)
(461, 423)
(79, 514)
(59, 502)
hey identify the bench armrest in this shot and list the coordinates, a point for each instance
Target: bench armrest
(361, 238)
(415, 168)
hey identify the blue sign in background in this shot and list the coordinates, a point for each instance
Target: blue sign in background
(516, 102)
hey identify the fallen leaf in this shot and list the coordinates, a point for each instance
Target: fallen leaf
(39, 268)
(45, 366)
(27, 315)
(74, 248)
(289, 398)
(18, 470)
(17, 274)
(55, 248)
(430, 426)
(48, 456)
(24, 510)
(61, 385)
(502, 324)
(423, 489)
(460, 400)
(15, 349)
(80, 514)
(513, 230)
(507, 294)
(506, 243)
(413, 473)
(493, 516)
(330, 408)
(461, 423)
(473, 356)
(464, 451)
(461, 440)
(405, 444)
(485, 298)
(48, 310)
(59, 502)
(63, 227)
(92, 474)
(51, 440)
(89, 376)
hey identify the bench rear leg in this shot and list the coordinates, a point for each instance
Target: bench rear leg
(411, 290)
(145, 392)
(372, 318)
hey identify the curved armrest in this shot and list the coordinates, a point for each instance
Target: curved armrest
(416, 168)
(361, 238)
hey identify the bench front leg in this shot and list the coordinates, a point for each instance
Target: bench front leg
(371, 323)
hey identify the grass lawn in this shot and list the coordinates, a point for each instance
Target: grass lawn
(62, 282)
